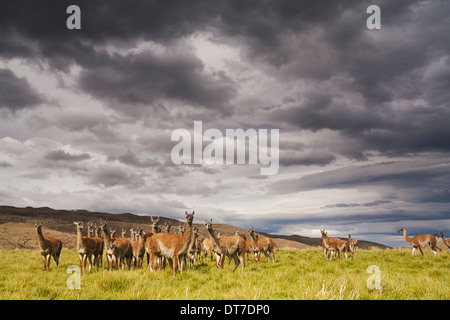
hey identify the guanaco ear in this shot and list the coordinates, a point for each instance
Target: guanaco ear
(193, 212)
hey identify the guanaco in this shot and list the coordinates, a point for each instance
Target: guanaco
(265, 245)
(86, 248)
(50, 247)
(445, 241)
(231, 246)
(421, 241)
(171, 246)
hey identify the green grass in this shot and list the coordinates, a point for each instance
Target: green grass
(295, 275)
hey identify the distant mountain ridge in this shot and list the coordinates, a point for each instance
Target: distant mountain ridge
(62, 221)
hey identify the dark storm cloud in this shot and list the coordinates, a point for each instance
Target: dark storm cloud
(400, 176)
(44, 24)
(16, 93)
(405, 62)
(326, 44)
(317, 110)
(40, 33)
(303, 40)
(146, 77)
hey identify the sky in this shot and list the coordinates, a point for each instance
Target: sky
(86, 116)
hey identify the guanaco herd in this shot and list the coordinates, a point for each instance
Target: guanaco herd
(333, 246)
(179, 249)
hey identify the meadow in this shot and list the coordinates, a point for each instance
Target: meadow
(296, 275)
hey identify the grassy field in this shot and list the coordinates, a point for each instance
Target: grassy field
(297, 274)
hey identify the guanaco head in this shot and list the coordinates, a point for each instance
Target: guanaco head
(442, 234)
(38, 226)
(251, 230)
(103, 224)
(401, 230)
(79, 224)
(324, 233)
(189, 217)
(181, 229)
(208, 224)
(155, 222)
(353, 242)
(167, 226)
(97, 231)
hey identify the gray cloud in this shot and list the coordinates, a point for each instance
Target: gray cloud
(131, 159)
(16, 93)
(4, 164)
(307, 158)
(394, 174)
(109, 176)
(350, 205)
(146, 78)
(61, 155)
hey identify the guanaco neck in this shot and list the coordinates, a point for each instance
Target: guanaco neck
(405, 234)
(187, 236)
(193, 241)
(79, 237)
(40, 238)
(445, 241)
(106, 237)
(214, 239)
(325, 240)
(140, 240)
(252, 235)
